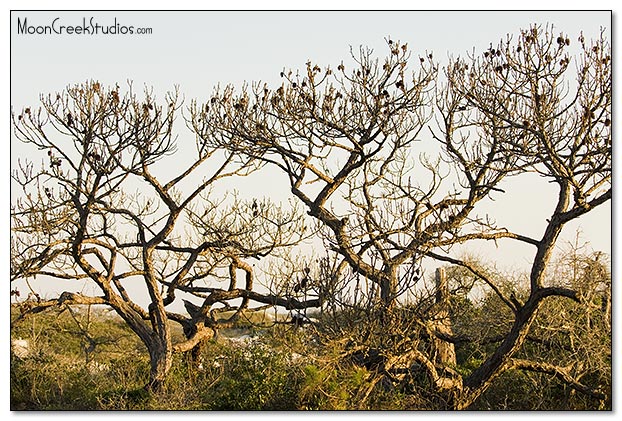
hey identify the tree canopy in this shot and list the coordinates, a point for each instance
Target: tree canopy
(347, 139)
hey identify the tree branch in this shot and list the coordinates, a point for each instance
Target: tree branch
(562, 373)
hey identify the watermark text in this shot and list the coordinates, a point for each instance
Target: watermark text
(88, 26)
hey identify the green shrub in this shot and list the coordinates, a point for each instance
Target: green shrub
(253, 377)
(283, 369)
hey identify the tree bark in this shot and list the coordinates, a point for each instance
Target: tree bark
(481, 379)
(445, 351)
(161, 361)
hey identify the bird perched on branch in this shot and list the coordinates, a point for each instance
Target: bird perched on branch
(302, 285)
(192, 309)
(299, 320)
(255, 208)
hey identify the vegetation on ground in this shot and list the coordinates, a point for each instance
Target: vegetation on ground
(389, 168)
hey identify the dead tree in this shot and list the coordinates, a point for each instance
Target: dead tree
(344, 137)
(518, 98)
(445, 351)
(101, 209)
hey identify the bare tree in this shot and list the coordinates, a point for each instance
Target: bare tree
(328, 130)
(569, 340)
(518, 94)
(388, 188)
(97, 210)
(345, 140)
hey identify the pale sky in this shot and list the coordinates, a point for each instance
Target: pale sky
(197, 50)
(200, 49)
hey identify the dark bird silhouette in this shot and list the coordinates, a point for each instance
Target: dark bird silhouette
(255, 208)
(192, 309)
(299, 320)
(372, 359)
(302, 284)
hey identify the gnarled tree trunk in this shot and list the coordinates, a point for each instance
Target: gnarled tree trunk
(161, 360)
(445, 353)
